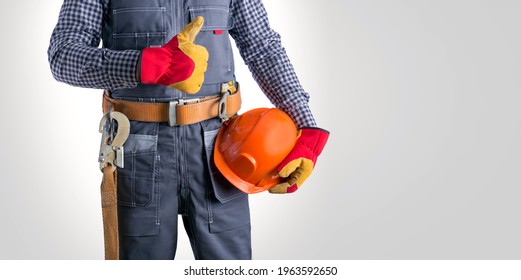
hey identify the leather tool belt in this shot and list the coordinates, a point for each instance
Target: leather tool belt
(179, 112)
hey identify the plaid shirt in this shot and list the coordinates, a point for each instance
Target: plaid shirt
(75, 58)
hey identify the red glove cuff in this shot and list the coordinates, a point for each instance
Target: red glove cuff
(309, 145)
(314, 138)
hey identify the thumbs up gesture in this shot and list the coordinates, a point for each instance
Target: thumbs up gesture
(179, 64)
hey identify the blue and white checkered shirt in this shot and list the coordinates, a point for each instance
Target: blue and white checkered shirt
(76, 59)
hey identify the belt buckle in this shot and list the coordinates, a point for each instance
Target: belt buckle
(172, 109)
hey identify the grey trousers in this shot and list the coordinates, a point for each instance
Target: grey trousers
(169, 172)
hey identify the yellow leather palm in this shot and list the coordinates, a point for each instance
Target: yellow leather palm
(300, 162)
(296, 172)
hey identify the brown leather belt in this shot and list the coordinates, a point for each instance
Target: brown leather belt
(178, 112)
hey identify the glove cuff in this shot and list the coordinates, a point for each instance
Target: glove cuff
(315, 128)
(315, 138)
(149, 70)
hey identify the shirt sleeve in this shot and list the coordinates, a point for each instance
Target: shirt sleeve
(262, 51)
(74, 55)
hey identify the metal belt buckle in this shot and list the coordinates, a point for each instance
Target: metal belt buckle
(172, 109)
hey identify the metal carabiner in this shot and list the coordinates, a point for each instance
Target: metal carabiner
(111, 147)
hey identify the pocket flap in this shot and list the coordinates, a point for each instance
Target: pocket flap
(224, 191)
(215, 17)
(140, 143)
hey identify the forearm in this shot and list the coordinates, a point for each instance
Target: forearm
(262, 51)
(275, 75)
(74, 55)
(89, 67)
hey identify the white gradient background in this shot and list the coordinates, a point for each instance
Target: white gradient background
(421, 97)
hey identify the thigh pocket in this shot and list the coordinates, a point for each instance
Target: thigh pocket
(137, 185)
(228, 207)
(136, 180)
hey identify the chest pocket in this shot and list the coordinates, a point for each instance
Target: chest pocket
(215, 37)
(138, 24)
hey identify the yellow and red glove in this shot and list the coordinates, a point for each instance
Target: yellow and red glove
(179, 64)
(299, 164)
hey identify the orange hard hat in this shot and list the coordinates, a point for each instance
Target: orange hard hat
(249, 147)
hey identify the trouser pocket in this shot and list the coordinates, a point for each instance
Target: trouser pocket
(138, 188)
(228, 206)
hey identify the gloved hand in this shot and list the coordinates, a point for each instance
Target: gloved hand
(179, 64)
(299, 164)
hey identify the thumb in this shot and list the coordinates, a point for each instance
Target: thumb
(191, 30)
(280, 188)
(291, 166)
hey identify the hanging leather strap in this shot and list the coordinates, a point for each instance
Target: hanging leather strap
(110, 213)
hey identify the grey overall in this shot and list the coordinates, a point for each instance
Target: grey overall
(169, 170)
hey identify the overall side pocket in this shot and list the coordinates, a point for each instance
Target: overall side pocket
(228, 206)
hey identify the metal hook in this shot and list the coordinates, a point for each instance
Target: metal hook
(111, 147)
(221, 107)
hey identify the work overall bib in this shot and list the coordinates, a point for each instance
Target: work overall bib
(169, 170)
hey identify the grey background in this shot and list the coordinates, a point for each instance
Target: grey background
(421, 98)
